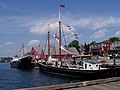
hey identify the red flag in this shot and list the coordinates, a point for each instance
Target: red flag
(62, 5)
(76, 37)
(68, 26)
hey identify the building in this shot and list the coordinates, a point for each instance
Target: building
(115, 47)
(41, 52)
(101, 48)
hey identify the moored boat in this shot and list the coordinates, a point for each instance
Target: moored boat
(82, 69)
(24, 61)
(63, 67)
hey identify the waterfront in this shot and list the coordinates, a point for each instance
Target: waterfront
(12, 78)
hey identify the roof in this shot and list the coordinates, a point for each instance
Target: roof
(104, 42)
(55, 50)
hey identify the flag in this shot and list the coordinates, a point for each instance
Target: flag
(72, 32)
(68, 26)
(76, 37)
(57, 38)
(62, 5)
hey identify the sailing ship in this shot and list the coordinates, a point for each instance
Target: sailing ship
(22, 62)
(77, 69)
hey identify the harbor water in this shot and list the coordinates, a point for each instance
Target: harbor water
(12, 78)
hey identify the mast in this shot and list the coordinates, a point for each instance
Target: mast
(60, 39)
(48, 43)
(22, 51)
(23, 48)
(59, 36)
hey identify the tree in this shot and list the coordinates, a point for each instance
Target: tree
(113, 39)
(86, 47)
(93, 42)
(75, 44)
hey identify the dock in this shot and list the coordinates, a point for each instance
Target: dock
(100, 84)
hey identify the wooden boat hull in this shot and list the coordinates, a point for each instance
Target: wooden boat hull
(73, 72)
(25, 62)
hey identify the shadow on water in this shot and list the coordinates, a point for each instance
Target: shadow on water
(67, 78)
(61, 79)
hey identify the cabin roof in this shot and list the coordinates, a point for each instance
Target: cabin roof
(92, 62)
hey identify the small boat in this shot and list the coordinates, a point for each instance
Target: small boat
(23, 62)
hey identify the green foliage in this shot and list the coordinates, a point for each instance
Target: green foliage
(113, 39)
(93, 42)
(86, 47)
(75, 44)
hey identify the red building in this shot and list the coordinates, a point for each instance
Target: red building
(100, 48)
(40, 52)
(106, 47)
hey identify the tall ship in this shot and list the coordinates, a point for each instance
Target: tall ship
(79, 68)
(24, 61)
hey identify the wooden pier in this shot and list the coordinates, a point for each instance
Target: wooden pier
(100, 84)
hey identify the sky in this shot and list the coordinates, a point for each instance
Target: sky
(28, 21)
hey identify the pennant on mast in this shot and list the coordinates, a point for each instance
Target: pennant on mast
(62, 5)
(57, 38)
(72, 32)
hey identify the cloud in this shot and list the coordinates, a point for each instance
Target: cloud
(6, 53)
(42, 28)
(18, 22)
(117, 34)
(8, 43)
(39, 26)
(34, 42)
(95, 24)
(99, 34)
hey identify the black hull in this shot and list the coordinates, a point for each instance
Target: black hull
(23, 63)
(114, 70)
(92, 74)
